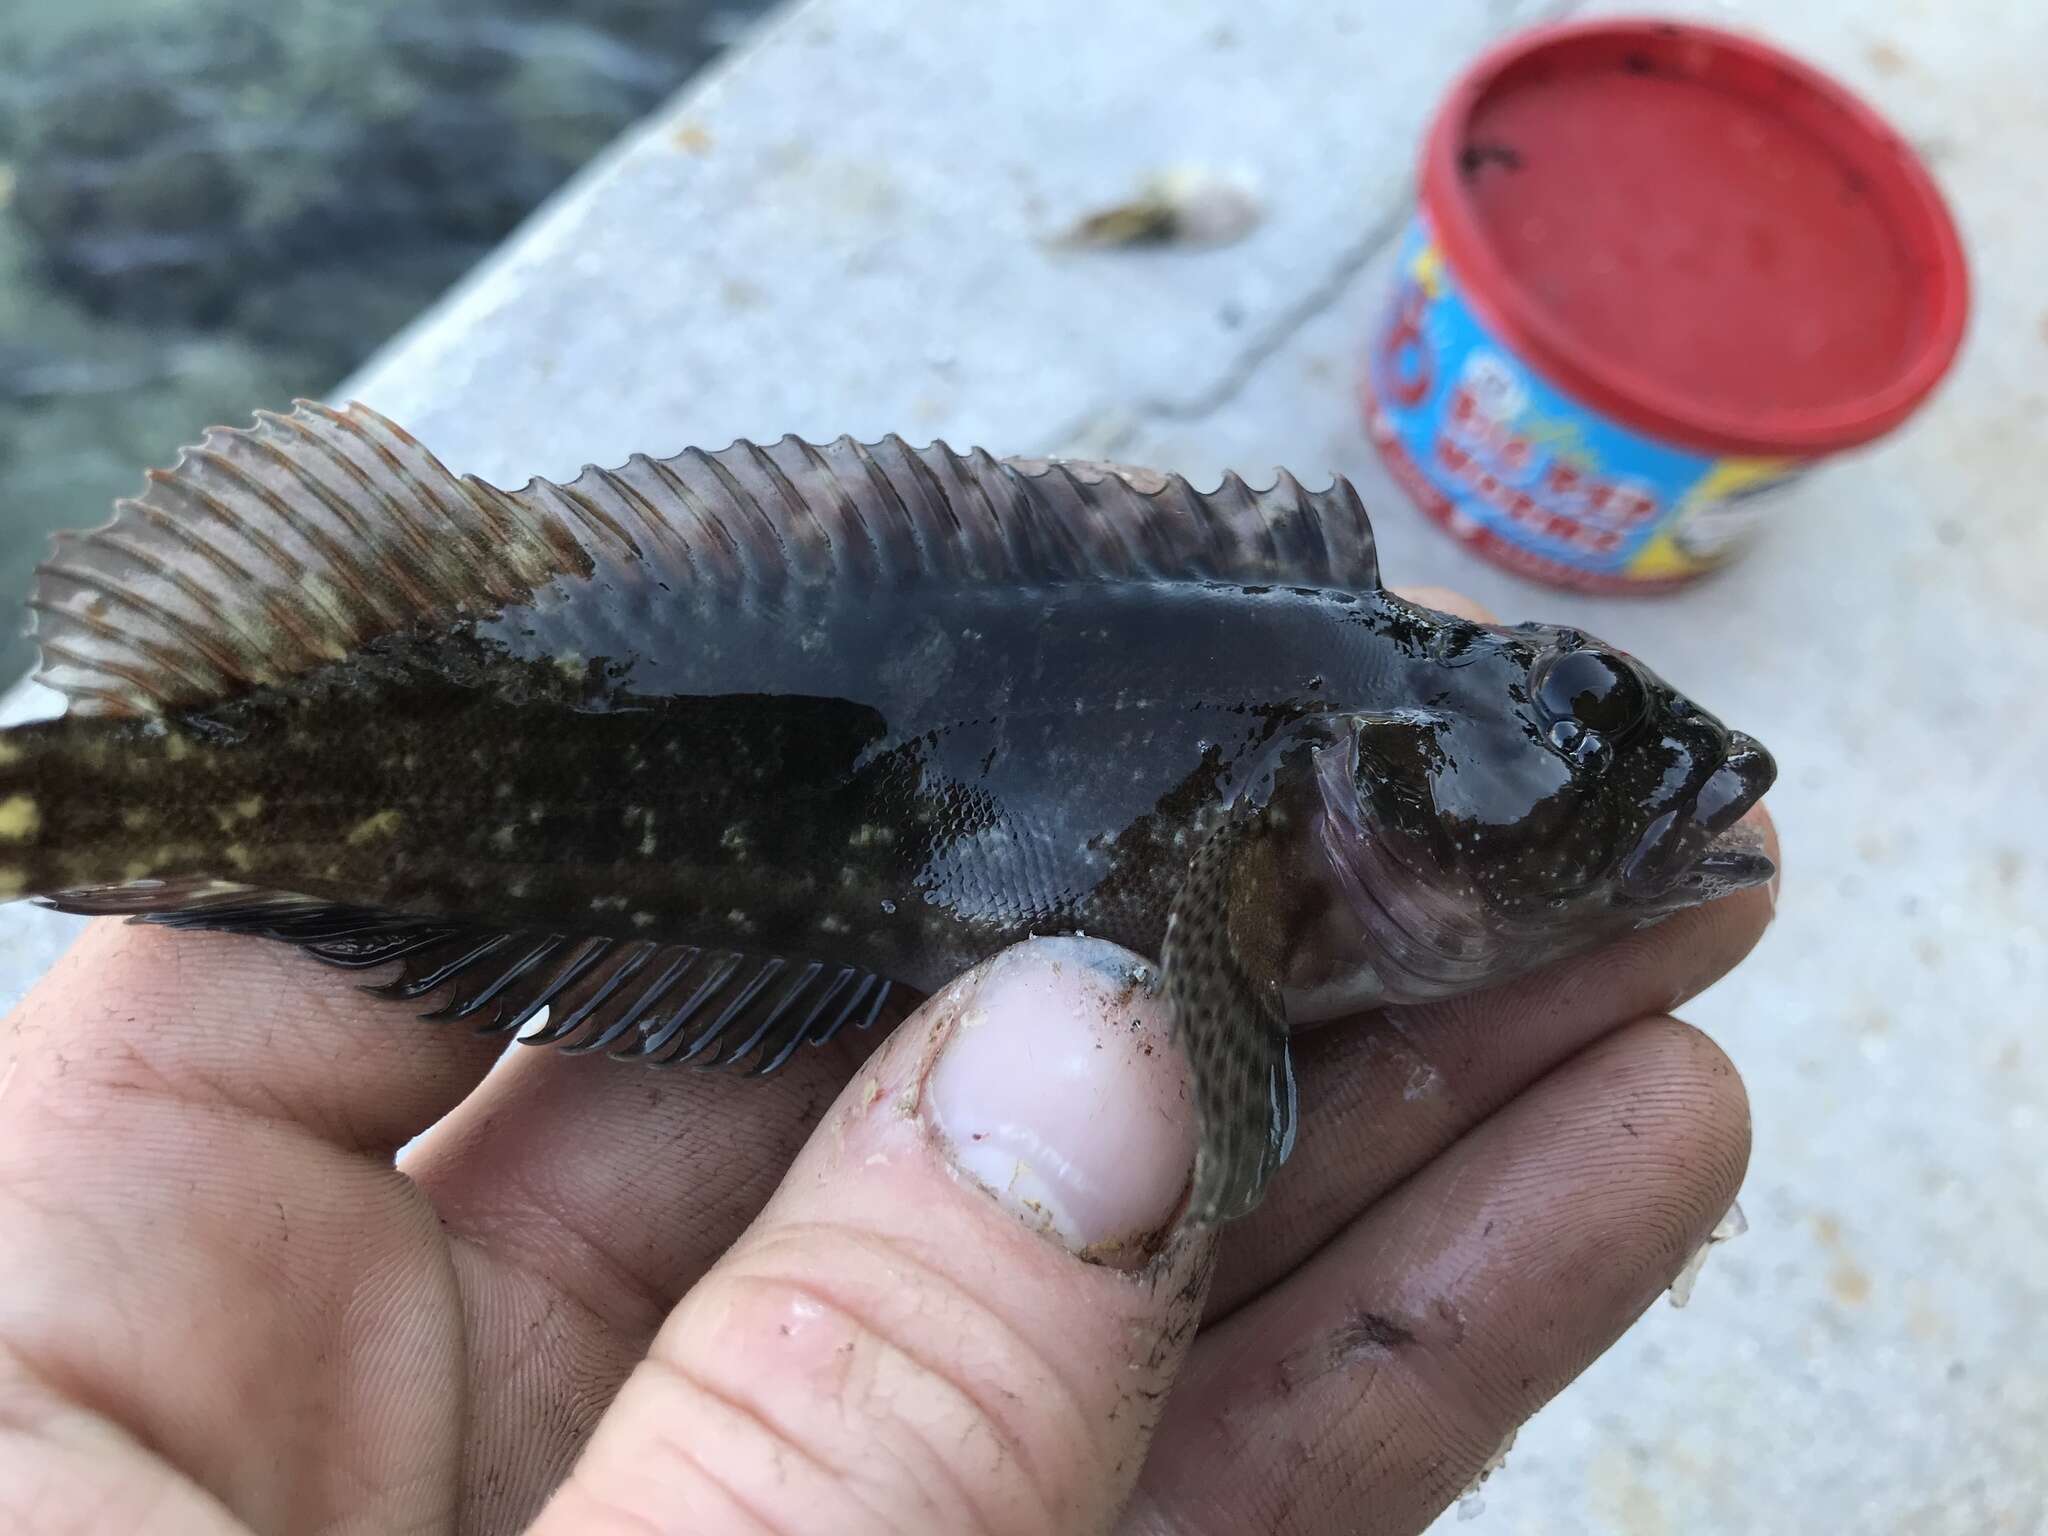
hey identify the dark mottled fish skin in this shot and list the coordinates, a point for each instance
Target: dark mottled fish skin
(703, 755)
(1034, 761)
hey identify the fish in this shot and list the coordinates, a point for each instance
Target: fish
(702, 760)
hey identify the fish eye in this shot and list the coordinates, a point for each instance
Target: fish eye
(1585, 747)
(1589, 688)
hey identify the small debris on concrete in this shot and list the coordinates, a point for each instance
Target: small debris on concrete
(1185, 205)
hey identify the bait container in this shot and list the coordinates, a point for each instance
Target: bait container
(1657, 271)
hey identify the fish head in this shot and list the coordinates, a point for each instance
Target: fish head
(1546, 792)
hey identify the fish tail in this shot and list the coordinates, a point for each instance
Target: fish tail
(78, 805)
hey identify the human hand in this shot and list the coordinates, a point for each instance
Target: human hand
(601, 1299)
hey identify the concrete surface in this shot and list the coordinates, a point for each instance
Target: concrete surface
(844, 230)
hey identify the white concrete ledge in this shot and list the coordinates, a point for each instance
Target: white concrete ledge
(845, 230)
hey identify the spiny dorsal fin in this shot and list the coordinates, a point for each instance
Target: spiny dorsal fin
(1285, 535)
(270, 550)
(886, 513)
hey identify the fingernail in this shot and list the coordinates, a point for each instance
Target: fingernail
(1061, 1093)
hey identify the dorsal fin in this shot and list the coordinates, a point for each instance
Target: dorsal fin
(1285, 535)
(267, 551)
(887, 513)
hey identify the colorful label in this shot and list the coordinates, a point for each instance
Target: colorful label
(1508, 461)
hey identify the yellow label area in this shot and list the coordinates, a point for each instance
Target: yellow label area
(1428, 271)
(1708, 526)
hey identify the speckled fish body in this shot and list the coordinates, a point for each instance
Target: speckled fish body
(705, 755)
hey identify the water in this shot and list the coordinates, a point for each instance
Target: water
(208, 206)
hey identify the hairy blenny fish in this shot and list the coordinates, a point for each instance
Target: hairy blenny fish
(703, 755)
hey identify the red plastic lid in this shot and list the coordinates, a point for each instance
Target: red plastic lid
(1697, 235)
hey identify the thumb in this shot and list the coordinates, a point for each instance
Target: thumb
(962, 1309)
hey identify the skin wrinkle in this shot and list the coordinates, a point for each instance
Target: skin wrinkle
(975, 1394)
(679, 1372)
(1411, 1402)
(539, 1101)
(678, 1448)
(646, 1286)
(158, 1018)
(26, 1378)
(387, 1470)
(72, 1214)
(47, 1369)
(563, 1416)
(632, 1520)
(200, 1091)
(270, 1264)
(156, 1486)
(637, 1305)
(845, 1475)
(148, 1082)
(1657, 1248)
(1584, 1135)
(451, 1283)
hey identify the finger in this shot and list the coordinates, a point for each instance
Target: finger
(246, 1024)
(1364, 1393)
(202, 1260)
(1383, 1095)
(935, 1324)
(611, 1186)
(596, 1171)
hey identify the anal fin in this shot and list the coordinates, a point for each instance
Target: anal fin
(666, 1004)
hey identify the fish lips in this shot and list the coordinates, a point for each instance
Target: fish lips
(1698, 850)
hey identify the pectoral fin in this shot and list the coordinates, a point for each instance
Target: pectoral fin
(1229, 1021)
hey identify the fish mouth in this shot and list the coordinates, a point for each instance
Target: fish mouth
(1702, 849)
